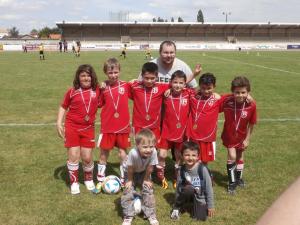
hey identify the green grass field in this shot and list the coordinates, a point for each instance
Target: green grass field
(33, 189)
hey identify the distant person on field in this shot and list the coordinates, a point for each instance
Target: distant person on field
(148, 53)
(24, 47)
(41, 50)
(240, 118)
(60, 44)
(123, 52)
(65, 43)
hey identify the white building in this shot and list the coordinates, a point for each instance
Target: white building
(3, 32)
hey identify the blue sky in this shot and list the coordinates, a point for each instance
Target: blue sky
(29, 14)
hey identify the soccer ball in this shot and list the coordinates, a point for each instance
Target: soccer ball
(151, 57)
(111, 185)
(137, 205)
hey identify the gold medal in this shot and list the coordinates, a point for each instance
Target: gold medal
(87, 118)
(148, 117)
(116, 115)
(195, 126)
(178, 125)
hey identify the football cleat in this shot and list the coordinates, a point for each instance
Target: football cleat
(89, 185)
(241, 183)
(153, 221)
(175, 214)
(164, 184)
(127, 220)
(174, 184)
(231, 189)
(75, 188)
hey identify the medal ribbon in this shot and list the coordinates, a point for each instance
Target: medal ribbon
(112, 97)
(197, 116)
(238, 123)
(147, 106)
(87, 109)
(177, 116)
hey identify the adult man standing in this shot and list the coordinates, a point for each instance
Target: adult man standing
(168, 63)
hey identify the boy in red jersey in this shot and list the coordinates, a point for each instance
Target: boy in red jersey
(174, 124)
(147, 96)
(80, 105)
(203, 119)
(115, 118)
(240, 117)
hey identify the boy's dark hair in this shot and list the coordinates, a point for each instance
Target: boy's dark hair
(149, 67)
(191, 146)
(178, 74)
(240, 81)
(88, 69)
(111, 63)
(167, 42)
(207, 79)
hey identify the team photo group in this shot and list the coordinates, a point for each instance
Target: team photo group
(175, 110)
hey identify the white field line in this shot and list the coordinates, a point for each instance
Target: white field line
(251, 64)
(220, 121)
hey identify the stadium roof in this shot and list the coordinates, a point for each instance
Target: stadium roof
(180, 24)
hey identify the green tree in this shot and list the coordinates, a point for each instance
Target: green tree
(34, 31)
(154, 19)
(200, 17)
(172, 19)
(160, 19)
(180, 19)
(13, 32)
(44, 32)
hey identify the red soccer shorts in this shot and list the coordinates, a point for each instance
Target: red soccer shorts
(79, 137)
(110, 140)
(165, 144)
(156, 131)
(207, 151)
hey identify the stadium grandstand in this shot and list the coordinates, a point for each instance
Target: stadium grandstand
(136, 35)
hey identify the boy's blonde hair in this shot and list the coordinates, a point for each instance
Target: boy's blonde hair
(145, 135)
(110, 64)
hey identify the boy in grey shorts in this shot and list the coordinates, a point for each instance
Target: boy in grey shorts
(139, 167)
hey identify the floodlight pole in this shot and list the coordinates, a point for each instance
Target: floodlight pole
(226, 15)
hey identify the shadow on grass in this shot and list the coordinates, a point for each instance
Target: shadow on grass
(118, 207)
(219, 179)
(61, 172)
(170, 198)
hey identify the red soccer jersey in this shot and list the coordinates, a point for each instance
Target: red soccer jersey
(203, 119)
(147, 104)
(115, 111)
(82, 105)
(237, 118)
(176, 116)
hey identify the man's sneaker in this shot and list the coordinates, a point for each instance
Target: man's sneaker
(127, 220)
(175, 214)
(231, 189)
(241, 183)
(153, 221)
(75, 188)
(89, 184)
(164, 184)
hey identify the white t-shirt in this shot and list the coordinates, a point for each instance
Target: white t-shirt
(164, 76)
(138, 163)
